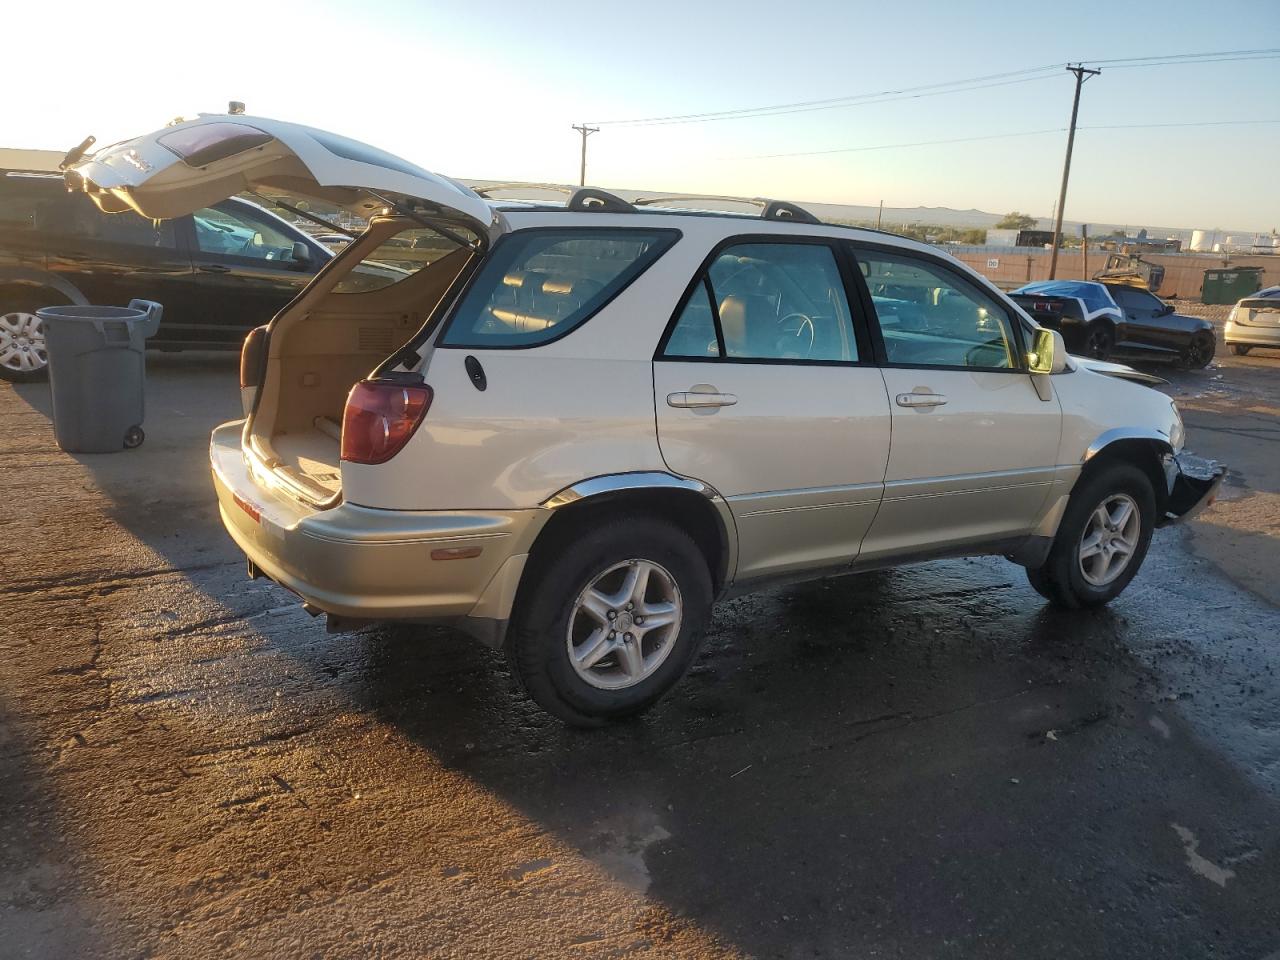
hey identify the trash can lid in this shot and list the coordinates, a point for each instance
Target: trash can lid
(89, 313)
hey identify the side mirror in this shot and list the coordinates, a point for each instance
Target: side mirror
(1165, 310)
(1048, 353)
(301, 253)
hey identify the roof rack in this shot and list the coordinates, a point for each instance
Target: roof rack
(580, 198)
(489, 188)
(595, 199)
(589, 198)
(769, 209)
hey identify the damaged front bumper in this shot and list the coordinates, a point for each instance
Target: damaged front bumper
(1193, 485)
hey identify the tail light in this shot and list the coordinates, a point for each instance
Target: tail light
(253, 357)
(380, 417)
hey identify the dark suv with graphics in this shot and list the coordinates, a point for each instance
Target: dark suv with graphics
(219, 272)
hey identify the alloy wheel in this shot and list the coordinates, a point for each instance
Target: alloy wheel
(624, 624)
(22, 344)
(1098, 345)
(1199, 352)
(1110, 539)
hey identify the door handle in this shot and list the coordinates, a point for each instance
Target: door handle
(920, 399)
(697, 399)
(214, 268)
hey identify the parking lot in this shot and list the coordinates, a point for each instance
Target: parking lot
(923, 762)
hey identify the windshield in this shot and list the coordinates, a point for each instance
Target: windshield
(400, 256)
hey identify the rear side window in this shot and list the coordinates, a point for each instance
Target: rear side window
(20, 196)
(538, 285)
(74, 215)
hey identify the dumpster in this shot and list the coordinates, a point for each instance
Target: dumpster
(97, 373)
(1230, 284)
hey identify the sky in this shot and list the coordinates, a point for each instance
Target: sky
(491, 90)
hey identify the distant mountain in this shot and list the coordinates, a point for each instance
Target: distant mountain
(892, 216)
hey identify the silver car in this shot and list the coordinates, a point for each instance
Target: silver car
(1254, 322)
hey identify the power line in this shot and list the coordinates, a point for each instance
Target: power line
(835, 102)
(1265, 53)
(944, 87)
(895, 146)
(1001, 136)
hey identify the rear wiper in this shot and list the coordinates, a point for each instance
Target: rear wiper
(76, 152)
(303, 214)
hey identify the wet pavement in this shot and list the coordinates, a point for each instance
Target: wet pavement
(922, 762)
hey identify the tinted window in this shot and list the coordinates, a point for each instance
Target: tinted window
(930, 315)
(363, 153)
(20, 196)
(1133, 299)
(694, 334)
(74, 215)
(540, 284)
(226, 230)
(209, 142)
(769, 301)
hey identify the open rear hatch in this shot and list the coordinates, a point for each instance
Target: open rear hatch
(362, 308)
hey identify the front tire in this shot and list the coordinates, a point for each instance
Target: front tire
(1099, 341)
(611, 621)
(1102, 540)
(1199, 352)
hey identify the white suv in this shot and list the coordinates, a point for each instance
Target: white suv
(569, 429)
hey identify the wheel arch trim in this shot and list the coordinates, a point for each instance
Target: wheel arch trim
(619, 482)
(1109, 437)
(19, 277)
(657, 481)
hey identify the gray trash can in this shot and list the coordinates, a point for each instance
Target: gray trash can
(97, 373)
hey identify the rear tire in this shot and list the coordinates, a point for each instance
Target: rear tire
(1099, 340)
(1199, 352)
(1241, 349)
(568, 644)
(1091, 561)
(23, 356)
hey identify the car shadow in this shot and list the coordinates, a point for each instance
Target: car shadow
(883, 762)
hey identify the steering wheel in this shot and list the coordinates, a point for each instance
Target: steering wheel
(982, 351)
(798, 330)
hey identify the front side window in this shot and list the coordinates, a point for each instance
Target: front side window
(225, 231)
(1137, 301)
(538, 285)
(931, 316)
(768, 301)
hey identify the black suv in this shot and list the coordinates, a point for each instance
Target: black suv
(219, 272)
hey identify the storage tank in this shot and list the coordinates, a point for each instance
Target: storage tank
(1199, 240)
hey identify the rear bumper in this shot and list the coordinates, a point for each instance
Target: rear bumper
(361, 564)
(1251, 335)
(1193, 485)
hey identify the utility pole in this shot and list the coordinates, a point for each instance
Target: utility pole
(1081, 75)
(880, 215)
(586, 131)
(1084, 250)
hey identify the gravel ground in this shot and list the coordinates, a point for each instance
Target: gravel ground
(923, 762)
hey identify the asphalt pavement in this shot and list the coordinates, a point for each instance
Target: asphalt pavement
(925, 762)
